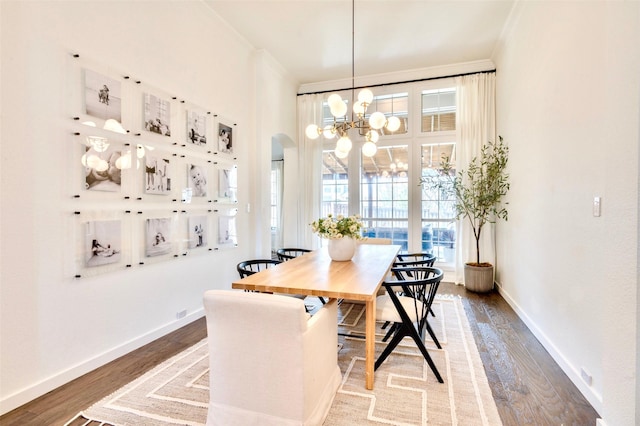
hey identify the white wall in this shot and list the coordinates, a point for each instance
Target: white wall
(568, 105)
(54, 328)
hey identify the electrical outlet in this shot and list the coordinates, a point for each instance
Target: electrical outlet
(586, 376)
(181, 314)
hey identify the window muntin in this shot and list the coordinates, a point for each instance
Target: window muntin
(384, 194)
(438, 110)
(437, 217)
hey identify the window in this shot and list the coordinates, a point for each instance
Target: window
(384, 189)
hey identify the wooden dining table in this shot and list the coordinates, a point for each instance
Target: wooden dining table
(315, 274)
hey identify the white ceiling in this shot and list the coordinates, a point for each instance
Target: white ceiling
(311, 39)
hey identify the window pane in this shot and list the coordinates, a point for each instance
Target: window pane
(438, 208)
(335, 185)
(384, 202)
(438, 110)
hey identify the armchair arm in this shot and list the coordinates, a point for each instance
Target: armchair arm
(321, 349)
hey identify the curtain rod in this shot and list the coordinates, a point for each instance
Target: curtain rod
(398, 82)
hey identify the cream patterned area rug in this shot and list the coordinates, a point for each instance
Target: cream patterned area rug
(405, 391)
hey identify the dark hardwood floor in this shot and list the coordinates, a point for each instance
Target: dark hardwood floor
(528, 386)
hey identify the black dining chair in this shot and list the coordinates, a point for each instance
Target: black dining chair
(250, 267)
(407, 305)
(409, 260)
(428, 259)
(285, 254)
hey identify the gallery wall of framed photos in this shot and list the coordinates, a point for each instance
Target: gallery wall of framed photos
(154, 177)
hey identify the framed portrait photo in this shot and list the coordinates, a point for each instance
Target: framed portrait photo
(157, 173)
(157, 115)
(196, 128)
(228, 184)
(197, 180)
(158, 237)
(226, 133)
(103, 242)
(102, 96)
(198, 231)
(103, 163)
(227, 229)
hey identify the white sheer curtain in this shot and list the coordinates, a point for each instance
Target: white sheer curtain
(475, 124)
(309, 169)
(277, 168)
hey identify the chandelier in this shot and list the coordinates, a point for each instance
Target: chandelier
(370, 128)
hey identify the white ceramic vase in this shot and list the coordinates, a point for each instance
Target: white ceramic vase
(342, 249)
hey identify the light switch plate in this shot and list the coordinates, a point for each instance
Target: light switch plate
(596, 206)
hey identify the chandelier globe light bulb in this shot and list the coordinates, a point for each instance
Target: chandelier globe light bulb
(373, 136)
(338, 109)
(369, 149)
(334, 99)
(329, 132)
(344, 144)
(365, 96)
(312, 131)
(393, 123)
(377, 120)
(358, 108)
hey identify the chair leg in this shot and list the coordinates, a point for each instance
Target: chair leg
(390, 347)
(416, 338)
(397, 338)
(433, 335)
(391, 330)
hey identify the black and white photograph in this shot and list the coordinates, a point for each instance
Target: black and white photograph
(198, 230)
(157, 237)
(102, 164)
(157, 176)
(157, 115)
(228, 184)
(196, 128)
(103, 242)
(102, 96)
(227, 232)
(197, 180)
(225, 138)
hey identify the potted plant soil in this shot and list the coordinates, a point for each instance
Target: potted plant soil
(478, 194)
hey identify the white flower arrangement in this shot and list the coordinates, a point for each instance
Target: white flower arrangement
(332, 228)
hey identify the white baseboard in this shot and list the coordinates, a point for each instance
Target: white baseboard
(573, 372)
(36, 390)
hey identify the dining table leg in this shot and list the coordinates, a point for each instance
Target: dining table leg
(370, 342)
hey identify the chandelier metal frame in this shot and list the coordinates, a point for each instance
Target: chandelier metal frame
(371, 129)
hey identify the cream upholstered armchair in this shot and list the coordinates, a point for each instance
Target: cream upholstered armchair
(270, 363)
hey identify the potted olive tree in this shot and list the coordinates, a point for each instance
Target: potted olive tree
(478, 194)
